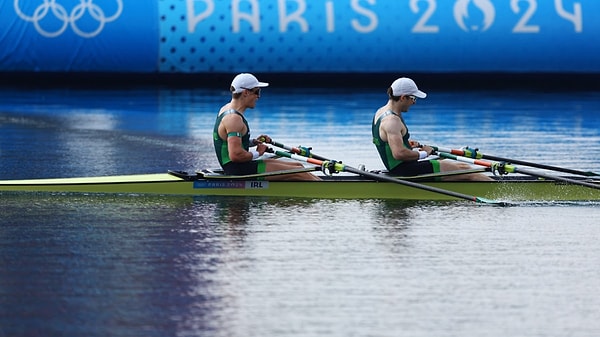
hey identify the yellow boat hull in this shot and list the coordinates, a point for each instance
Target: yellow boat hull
(336, 187)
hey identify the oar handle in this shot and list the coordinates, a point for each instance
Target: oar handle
(501, 168)
(300, 150)
(327, 166)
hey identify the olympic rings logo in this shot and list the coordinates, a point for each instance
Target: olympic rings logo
(52, 11)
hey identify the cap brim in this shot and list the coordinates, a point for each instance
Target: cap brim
(262, 85)
(420, 94)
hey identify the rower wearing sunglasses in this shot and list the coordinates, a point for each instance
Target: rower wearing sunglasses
(231, 136)
(401, 155)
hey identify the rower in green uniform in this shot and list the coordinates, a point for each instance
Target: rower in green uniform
(401, 155)
(231, 135)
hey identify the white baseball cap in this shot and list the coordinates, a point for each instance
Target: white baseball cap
(246, 81)
(406, 86)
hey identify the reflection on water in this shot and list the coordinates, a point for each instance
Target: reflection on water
(394, 219)
(98, 265)
(121, 265)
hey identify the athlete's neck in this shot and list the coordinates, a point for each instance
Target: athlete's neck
(237, 106)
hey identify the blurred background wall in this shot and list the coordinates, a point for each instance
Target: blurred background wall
(299, 39)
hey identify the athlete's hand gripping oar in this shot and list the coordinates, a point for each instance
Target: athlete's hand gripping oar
(507, 168)
(334, 166)
(475, 154)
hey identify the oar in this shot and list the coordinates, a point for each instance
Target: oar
(312, 158)
(300, 150)
(334, 166)
(306, 152)
(513, 169)
(470, 153)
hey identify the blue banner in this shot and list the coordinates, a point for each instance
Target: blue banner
(380, 36)
(298, 36)
(78, 35)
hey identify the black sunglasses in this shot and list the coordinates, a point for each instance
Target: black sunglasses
(255, 91)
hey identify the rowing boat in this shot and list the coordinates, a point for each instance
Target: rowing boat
(337, 187)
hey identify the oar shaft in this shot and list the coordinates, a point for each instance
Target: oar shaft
(478, 155)
(297, 150)
(298, 157)
(513, 169)
(558, 178)
(379, 177)
(541, 166)
(471, 160)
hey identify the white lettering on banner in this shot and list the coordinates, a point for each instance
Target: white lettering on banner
(421, 26)
(575, 17)
(193, 19)
(253, 17)
(285, 20)
(369, 21)
(329, 9)
(522, 26)
(366, 12)
(461, 12)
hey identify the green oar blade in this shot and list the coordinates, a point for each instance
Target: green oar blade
(492, 202)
